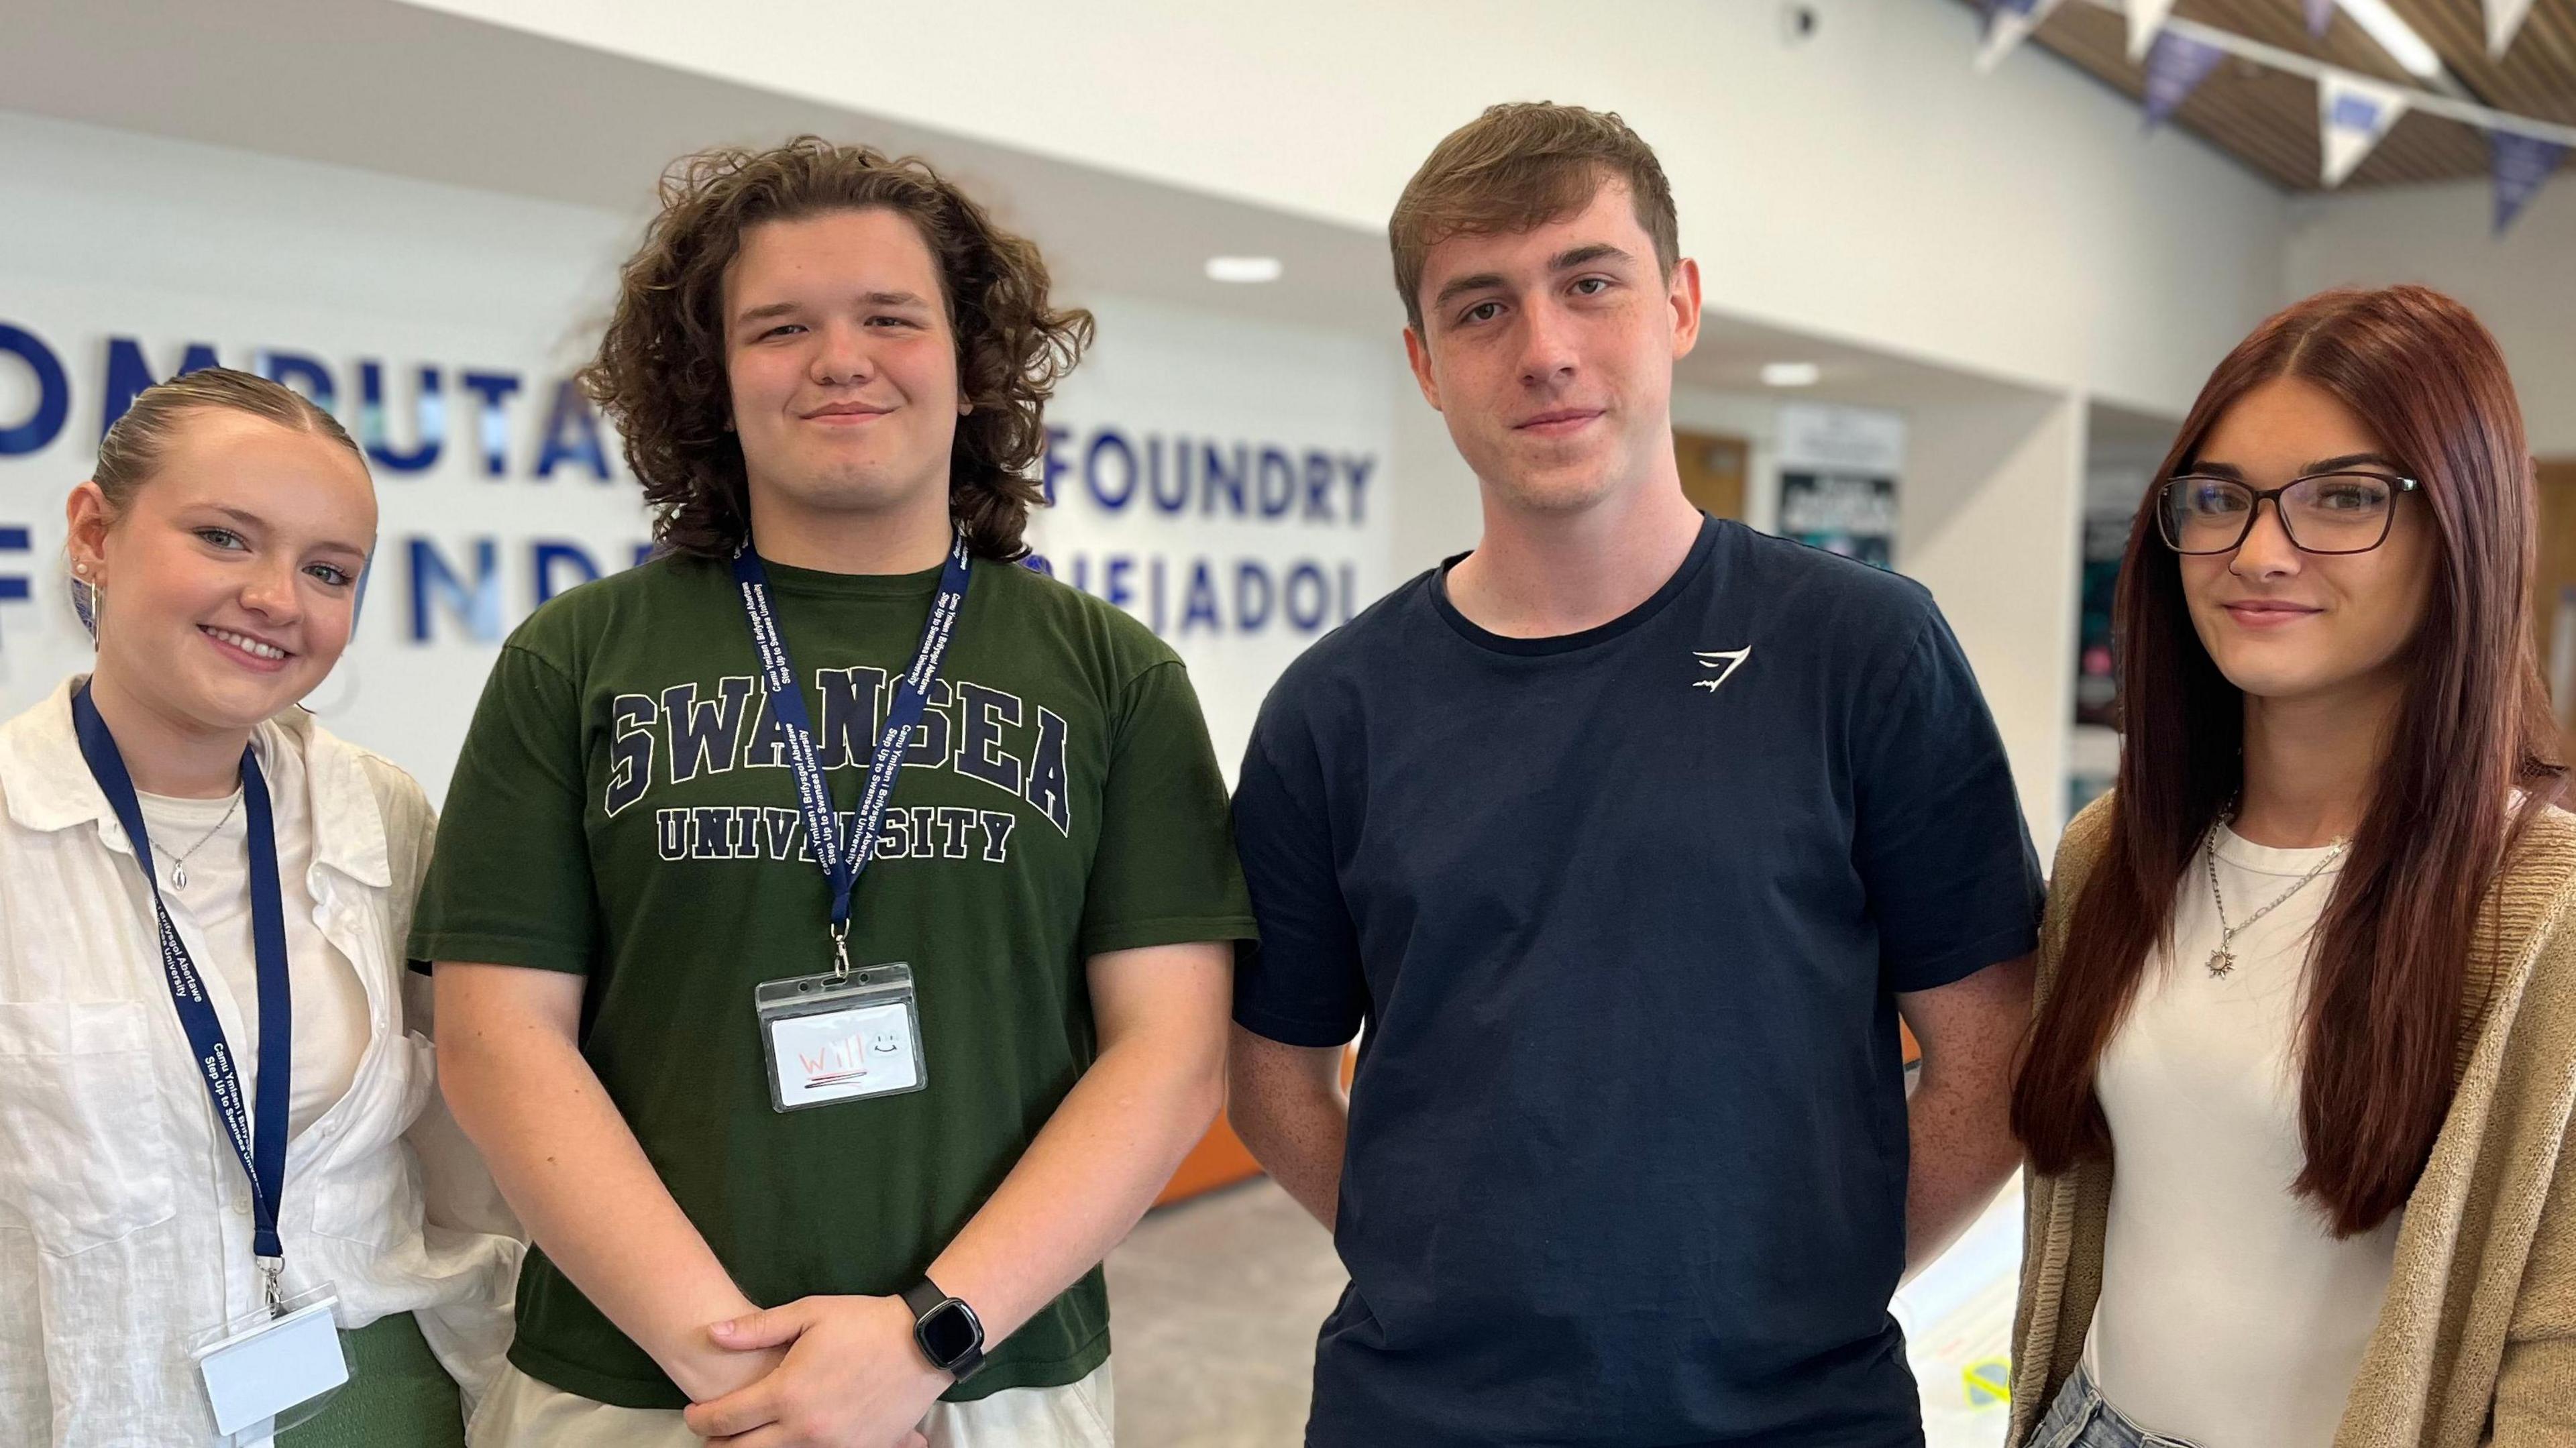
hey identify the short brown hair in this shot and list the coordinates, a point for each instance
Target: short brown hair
(132, 449)
(1521, 165)
(660, 372)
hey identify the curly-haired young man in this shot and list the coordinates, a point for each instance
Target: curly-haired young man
(1629, 835)
(776, 992)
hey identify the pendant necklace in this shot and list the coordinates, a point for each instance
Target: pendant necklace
(179, 867)
(2222, 961)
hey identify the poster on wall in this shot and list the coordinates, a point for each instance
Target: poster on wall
(1838, 475)
(1224, 482)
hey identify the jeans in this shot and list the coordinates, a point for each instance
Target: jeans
(2080, 1419)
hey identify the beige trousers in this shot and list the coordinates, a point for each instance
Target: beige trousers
(520, 1412)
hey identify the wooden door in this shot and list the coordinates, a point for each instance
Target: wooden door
(1713, 467)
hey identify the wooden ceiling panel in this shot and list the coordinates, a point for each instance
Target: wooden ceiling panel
(2268, 119)
(2536, 77)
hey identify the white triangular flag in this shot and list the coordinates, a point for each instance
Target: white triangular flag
(2353, 114)
(2504, 21)
(2146, 17)
(2008, 24)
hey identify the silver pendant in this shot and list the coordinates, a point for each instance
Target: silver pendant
(179, 876)
(2221, 961)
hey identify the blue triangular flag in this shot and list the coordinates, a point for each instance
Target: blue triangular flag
(2523, 164)
(2175, 68)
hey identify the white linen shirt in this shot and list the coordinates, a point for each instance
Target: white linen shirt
(125, 1226)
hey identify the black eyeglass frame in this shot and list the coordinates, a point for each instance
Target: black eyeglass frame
(2164, 511)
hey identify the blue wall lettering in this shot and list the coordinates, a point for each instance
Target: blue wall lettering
(1310, 579)
(129, 372)
(429, 420)
(1253, 596)
(53, 406)
(572, 434)
(1104, 441)
(477, 606)
(13, 586)
(549, 557)
(491, 420)
(290, 369)
(1053, 466)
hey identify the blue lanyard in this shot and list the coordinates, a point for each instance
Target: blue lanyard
(844, 856)
(258, 1132)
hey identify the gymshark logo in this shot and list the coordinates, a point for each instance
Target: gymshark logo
(1725, 661)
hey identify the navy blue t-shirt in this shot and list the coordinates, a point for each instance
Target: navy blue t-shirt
(1624, 913)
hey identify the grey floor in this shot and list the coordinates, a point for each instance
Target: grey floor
(1214, 1305)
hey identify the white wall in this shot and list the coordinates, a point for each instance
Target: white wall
(2522, 285)
(1988, 521)
(171, 244)
(1865, 185)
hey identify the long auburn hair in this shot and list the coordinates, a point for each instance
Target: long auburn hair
(2389, 960)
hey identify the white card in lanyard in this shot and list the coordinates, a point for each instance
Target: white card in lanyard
(275, 1366)
(843, 1034)
(835, 1037)
(272, 1370)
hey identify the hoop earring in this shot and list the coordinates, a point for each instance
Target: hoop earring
(85, 596)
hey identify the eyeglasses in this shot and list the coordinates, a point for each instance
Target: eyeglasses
(2323, 513)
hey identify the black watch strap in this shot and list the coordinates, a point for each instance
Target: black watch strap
(935, 1312)
(923, 1296)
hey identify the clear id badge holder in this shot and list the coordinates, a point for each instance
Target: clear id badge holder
(272, 1370)
(841, 1036)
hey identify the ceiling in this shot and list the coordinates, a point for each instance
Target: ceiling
(2268, 119)
(410, 92)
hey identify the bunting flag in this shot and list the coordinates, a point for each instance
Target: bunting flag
(2353, 114)
(2504, 21)
(2175, 68)
(2320, 17)
(2008, 24)
(2523, 164)
(2146, 17)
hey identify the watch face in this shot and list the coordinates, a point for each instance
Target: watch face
(948, 1332)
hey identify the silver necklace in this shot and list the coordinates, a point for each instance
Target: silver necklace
(2222, 961)
(179, 867)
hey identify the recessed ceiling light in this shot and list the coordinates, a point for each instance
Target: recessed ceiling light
(1791, 374)
(1243, 268)
(2395, 36)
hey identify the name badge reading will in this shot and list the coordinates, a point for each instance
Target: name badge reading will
(841, 1037)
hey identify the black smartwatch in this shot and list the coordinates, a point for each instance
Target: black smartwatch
(947, 1330)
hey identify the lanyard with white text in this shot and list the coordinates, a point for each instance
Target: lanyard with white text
(844, 856)
(258, 1130)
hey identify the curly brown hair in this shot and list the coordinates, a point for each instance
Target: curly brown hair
(660, 372)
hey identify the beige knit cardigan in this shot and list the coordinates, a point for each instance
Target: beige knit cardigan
(2476, 1342)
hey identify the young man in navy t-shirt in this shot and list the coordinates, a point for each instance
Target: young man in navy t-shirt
(1628, 837)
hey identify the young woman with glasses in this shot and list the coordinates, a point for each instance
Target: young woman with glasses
(2299, 1086)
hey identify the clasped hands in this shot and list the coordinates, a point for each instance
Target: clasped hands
(821, 1372)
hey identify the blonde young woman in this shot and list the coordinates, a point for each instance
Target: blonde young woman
(217, 552)
(2298, 1095)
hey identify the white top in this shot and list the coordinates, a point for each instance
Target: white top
(212, 915)
(124, 1214)
(2230, 1315)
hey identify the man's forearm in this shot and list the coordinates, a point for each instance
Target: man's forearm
(1287, 1104)
(571, 1168)
(1961, 1152)
(1079, 1189)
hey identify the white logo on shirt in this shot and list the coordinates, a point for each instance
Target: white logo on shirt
(1725, 661)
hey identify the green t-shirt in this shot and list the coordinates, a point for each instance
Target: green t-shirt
(623, 809)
